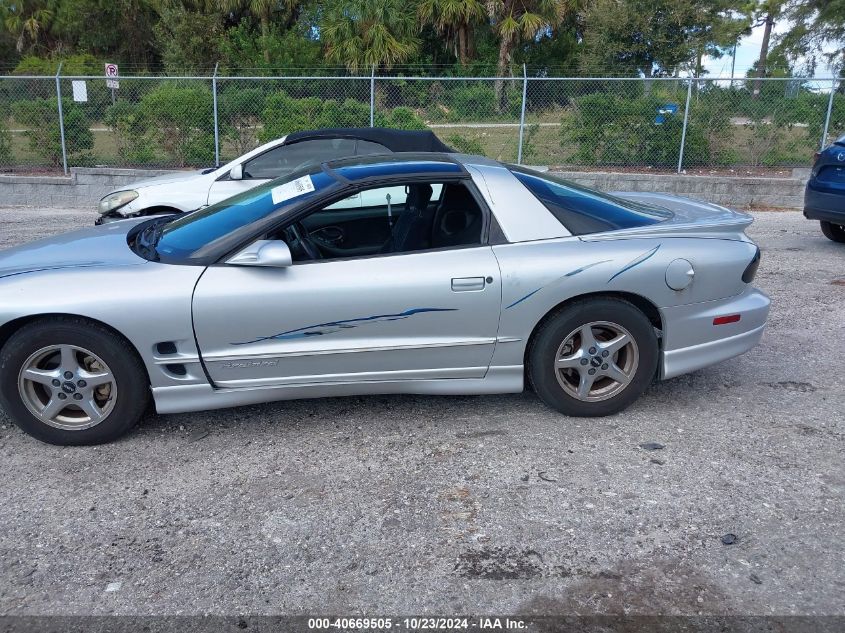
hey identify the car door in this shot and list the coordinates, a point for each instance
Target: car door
(279, 161)
(420, 315)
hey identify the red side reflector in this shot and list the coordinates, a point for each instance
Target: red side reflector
(723, 320)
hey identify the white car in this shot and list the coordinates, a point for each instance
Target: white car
(185, 191)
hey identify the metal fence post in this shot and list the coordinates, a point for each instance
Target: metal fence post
(684, 131)
(373, 96)
(829, 110)
(61, 116)
(216, 124)
(522, 114)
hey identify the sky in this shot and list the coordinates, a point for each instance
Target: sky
(747, 52)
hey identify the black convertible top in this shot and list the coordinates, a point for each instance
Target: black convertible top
(394, 140)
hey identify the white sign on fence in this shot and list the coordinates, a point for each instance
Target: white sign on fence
(111, 77)
(80, 90)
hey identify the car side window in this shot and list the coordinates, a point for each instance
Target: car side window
(288, 158)
(389, 220)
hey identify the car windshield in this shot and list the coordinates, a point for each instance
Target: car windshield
(582, 210)
(188, 238)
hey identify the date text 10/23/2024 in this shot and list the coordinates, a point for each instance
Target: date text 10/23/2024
(419, 624)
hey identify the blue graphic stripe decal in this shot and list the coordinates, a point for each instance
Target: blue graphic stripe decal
(321, 329)
(533, 292)
(572, 273)
(639, 260)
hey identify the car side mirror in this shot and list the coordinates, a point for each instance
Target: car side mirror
(237, 172)
(267, 253)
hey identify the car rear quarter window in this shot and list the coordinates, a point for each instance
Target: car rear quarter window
(582, 210)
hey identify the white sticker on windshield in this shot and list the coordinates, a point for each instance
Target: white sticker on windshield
(292, 189)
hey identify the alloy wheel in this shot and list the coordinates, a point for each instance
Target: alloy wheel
(67, 387)
(596, 361)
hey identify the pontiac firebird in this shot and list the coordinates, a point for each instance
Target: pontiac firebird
(466, 276)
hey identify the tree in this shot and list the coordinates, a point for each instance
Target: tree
(518, 20)
(657, 37)
(28, 21)
(817, 32)
(263, 10)
(366, 33)
(240, 49)
(119, 30)
(453, 19)
(767, 11)
(188, 41)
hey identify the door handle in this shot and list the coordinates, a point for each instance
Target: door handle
(466, 284)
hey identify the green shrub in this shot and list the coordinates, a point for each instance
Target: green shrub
(529, 147)
(41, 118)
(83, 64)
(477, 102)
(605, 129)
(239, 112)
(133, 145)
(5, 142)
(172, 124)
(350, 113)
(465, 145)
(810, 109)
(180, 121)
(474, 102)
(400, 118)
(284, 114)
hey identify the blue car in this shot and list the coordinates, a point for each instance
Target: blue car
(824, 198)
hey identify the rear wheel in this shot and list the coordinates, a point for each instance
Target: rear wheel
(593, 358)
(68, 381)
(835, 232)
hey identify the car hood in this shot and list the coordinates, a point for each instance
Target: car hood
(178, 176)
(97, 246)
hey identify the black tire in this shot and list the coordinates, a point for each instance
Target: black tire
(126, 367)
(835, 232)
(552, 333)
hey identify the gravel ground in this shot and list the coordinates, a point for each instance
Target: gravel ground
(414, 504)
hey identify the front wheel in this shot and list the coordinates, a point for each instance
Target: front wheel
(68, 381)
(593, 358)
(835, 232)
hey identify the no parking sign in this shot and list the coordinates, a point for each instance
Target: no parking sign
(111, 77)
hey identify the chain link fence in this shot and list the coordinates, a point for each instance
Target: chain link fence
(662, 124)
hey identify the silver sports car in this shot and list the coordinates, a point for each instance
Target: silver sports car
(466, 277)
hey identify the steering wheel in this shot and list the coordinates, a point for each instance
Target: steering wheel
(300, 233)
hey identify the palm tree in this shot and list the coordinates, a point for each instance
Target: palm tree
(369, 33)
(26, 21)
(263, 10)
(453, 19)
(516, 20)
